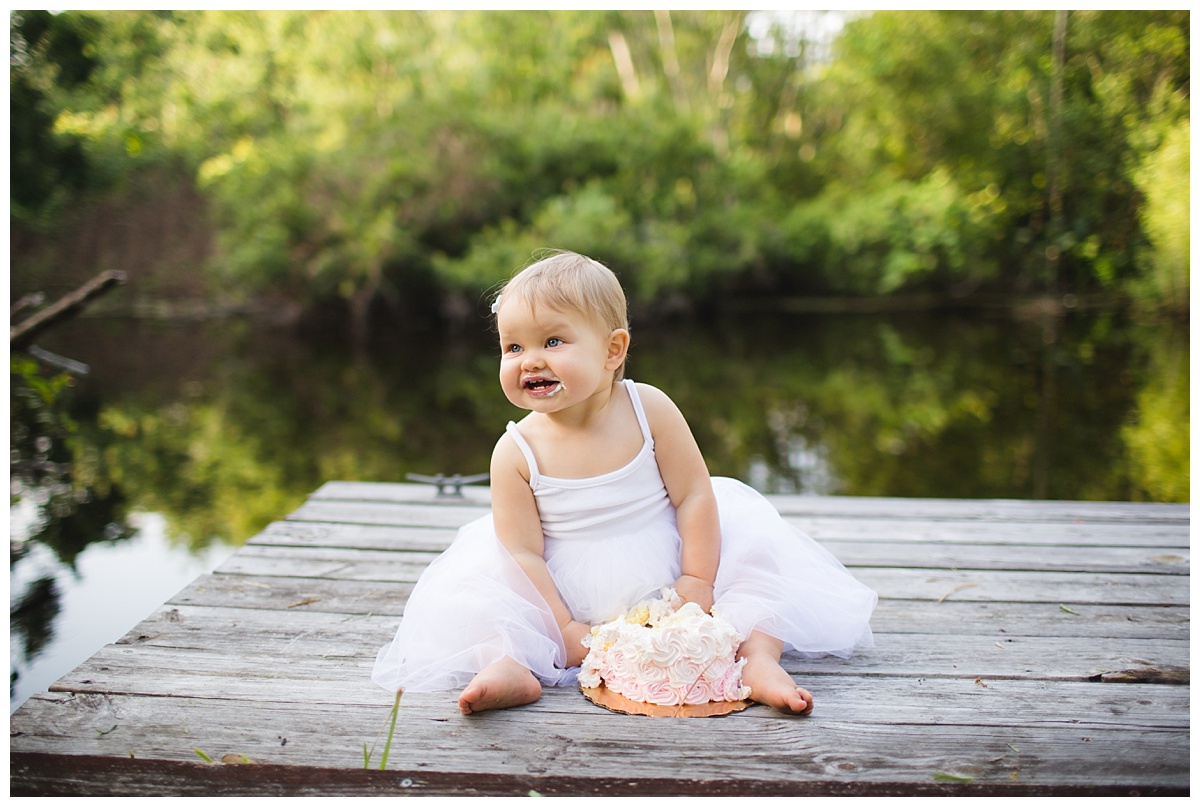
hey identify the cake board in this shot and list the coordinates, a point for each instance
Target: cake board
(616, 702)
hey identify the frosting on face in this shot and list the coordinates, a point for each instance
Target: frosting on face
(665, 653)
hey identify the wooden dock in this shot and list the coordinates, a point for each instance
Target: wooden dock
(1023, 648)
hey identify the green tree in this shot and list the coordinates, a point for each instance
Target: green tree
(1164, 180)
(400, 156)
(1038, 128)
(48, 55)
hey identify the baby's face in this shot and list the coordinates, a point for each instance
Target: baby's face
(550, 360)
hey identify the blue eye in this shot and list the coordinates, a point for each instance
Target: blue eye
(553, 342)
(513, 349)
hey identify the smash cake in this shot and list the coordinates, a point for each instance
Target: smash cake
(661, 653)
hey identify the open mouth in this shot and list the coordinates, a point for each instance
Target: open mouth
(542, 386)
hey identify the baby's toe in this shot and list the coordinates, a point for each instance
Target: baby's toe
(801, 702)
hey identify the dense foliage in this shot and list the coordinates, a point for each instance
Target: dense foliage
(360, 155)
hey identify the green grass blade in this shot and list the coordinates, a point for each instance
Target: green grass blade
(387, 747)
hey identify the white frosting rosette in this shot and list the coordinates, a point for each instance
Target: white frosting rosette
(666, 653)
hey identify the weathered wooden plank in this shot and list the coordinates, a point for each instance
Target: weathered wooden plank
(286, 593)
(393, 492)
(404, 515)
(1047, 587)
(841, 538)
(1041, 658)
(321, 635)
(338, 520)
(1167, 536)
(837, 506)
(354, 536)
(852, 698)
(455, 515)
(1004, 619)
(43, 775)
(210, 627)
(561, 735)
(912, 584)
(250, 666)
(294, 633)
(321, 562)
(983, 509)
(1148, 560)
(334, 561)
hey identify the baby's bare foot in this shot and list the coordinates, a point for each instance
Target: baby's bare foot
(499, 686)
(770, 684)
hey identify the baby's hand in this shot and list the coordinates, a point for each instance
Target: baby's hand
(695, 589)
(573, 635)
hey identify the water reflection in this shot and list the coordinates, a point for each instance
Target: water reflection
(211, 431)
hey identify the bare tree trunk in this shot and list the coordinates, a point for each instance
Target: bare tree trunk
(670, 60)
(717, 72)
(360, 308)
(720, 58)
(624, 62)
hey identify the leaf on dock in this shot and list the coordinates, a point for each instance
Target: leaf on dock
(240, 759)
(1065, 609)
(952, 777)
(305, 602)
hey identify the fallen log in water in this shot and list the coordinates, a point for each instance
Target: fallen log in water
(20, 336)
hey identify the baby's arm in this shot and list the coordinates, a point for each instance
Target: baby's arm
(690, 489)
(515, 515)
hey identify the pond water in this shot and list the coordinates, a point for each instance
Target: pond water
(185, 440)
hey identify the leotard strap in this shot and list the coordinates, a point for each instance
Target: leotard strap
(523, 444)
(637, 409)
(527, 450)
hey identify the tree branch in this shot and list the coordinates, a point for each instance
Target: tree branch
(21, 335)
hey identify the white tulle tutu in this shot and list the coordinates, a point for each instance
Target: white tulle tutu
(474, 605)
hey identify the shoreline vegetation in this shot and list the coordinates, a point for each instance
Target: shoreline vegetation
(408, 161)
(1018, 307)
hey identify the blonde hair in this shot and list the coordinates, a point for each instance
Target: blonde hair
(572, 283)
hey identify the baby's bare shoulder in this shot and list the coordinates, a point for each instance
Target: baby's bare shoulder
(656, 403)
(507, 458)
